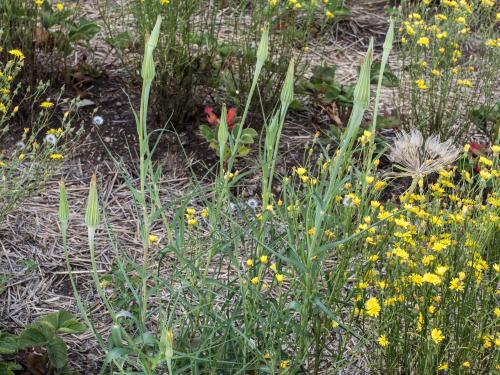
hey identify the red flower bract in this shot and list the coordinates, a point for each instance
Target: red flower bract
(214, 120)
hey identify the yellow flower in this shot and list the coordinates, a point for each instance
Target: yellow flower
(164, 2)
(204, 213)
(311, 231)
(421, 84)
(39, 3)
(485, 161)
(485, 175)
(46, 105)
(431, 278)
(300, 171)
(443, 366)
(329, 14)
(442, 35)
(464, 82)
(466, 364)
(60, 7)
(436, 73)
(437, 335)
(372, 307)
(379, 185)
(423, 41)
(456, 284)
(369, 179)
(284, 363)
(255, 280)
(460, 20)
(153, 238)
(272, 267)
(191, 221)
(16, 53)
(249, 262)
(56, 156)
(280, 278)
(382, 341)
(263, 259)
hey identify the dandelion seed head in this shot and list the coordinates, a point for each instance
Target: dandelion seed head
(97, 120)
(51, 139)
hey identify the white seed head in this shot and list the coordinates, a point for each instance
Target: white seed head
(97, 121)
(418, 159)
(51, 139)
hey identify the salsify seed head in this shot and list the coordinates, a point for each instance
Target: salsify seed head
(416, 158)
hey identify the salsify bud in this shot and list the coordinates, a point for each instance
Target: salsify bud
(92, 212)
(63, 204)
(222, 133)
(263, 50)
(148, 67)
(287, 91)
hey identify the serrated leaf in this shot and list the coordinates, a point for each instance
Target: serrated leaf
(117, 353)
(207, 132)
(72, 326)
(121, 40)
(389, 79)
(8, 368)
(34, 335)
(85, 30)
(57, 352)
(243, 151)
(146, 338)
(8, 343)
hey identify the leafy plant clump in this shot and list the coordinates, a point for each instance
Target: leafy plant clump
(45, 333)
(450, 54)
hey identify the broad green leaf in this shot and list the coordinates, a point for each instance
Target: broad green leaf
(34, 336)
(85, 30)
(8, 368)
(8, 343)
(121, 40)
(57, 352)
(207, 132)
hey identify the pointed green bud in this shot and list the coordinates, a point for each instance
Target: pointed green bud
(287, 90)
(222, 133)
(92, 213)
(63, 205)
(362, 89)
(148, 66)
(389, 38)
(263, 50)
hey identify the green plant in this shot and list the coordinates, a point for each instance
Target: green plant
(252, 293)
(214, 46)
(44, 333)
(37, 154)
(449, 55)
(210, 133)
(486, 118)
(61, 27)
(46, 31)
